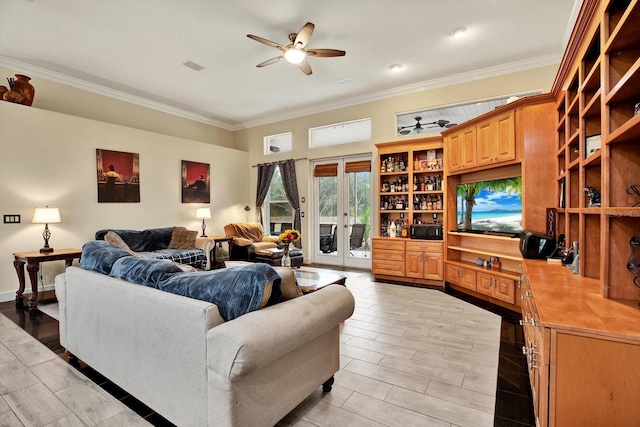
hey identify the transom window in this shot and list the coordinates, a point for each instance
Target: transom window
(340, 133)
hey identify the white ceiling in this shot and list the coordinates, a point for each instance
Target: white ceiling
(134, 49)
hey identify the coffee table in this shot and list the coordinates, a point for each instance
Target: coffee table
(310, 281)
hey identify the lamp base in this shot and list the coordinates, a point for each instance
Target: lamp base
(46, 250)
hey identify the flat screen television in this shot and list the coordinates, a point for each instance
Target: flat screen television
(491, 207)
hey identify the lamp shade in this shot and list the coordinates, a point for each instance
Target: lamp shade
(203, 213)
(46, 215)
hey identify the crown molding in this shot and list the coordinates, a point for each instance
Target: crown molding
(300, 112)
(498, 70)
(34, 70)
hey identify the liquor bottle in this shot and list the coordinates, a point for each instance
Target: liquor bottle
(392, 229)
(415, 183)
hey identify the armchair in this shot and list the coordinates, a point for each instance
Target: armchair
(248, 238)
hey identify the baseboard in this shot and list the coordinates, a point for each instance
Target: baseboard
(11, 295)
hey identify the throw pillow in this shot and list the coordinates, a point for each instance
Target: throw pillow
(289, 284)
(184, 267)
(115, 239)
(181, 238)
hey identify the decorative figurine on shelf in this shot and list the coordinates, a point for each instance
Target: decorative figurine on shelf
(495, 263)
(634, 261)
(480, 262)
(286, 238)
(594, 196)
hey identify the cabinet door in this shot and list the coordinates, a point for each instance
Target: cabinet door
(452, 275)
(414, 265)
(505, 289)
(468, 279)
(453, 155)
(496, 139)
(468, 148)
(485, 283)
(433, 266)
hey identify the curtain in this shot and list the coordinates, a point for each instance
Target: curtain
(290, 183)
(265, 173)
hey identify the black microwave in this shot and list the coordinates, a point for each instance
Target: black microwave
(426, 231)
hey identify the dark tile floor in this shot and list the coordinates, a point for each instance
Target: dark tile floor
(514, 406)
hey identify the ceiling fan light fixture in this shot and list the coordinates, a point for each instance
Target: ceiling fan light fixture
(295, 55)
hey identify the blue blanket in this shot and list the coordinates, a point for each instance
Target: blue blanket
(235, 290)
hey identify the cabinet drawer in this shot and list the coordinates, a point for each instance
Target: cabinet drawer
(389, 244)
(388, 255)
(387, 268)
(425, 246)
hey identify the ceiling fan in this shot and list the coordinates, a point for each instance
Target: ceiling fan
(295, 52)
(419, 127)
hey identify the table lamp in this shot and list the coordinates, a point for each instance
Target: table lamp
(204, 213)
(46, 216)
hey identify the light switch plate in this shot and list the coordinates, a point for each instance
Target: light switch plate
(12, 219)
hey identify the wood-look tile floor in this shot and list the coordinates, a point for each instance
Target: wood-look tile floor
(409, 356)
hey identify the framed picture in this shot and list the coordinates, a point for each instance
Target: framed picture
(195, 182)
(118, 176)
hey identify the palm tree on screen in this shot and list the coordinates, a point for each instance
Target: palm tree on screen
(468, 193)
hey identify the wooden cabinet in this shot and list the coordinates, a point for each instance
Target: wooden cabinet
(424, 260)
(496, 139)
(411, 187)
(461, 149)
(496, 286)
(582, 361)
(388, 257)
(461, 276)
(596, 92)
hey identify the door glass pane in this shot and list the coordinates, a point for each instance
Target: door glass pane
(280, 212)
(359, 188)
(328, 214)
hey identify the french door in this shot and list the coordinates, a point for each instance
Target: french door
(342, 214)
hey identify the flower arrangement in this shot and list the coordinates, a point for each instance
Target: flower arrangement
(288, 236)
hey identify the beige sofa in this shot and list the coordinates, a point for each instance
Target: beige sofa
(180, 358)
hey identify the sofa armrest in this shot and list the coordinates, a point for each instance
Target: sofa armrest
(256, 339)
(207, 245)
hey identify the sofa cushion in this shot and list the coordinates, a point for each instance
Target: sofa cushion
(181, 238)
(100, 256)
(143, 271)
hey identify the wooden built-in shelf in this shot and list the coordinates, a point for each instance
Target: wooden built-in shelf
(502, 255)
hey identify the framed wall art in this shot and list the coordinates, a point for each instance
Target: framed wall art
(195, 182)
(118, 176)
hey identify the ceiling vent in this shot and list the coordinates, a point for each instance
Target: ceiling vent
(193, 66)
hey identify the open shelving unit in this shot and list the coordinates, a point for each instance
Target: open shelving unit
(598, 99)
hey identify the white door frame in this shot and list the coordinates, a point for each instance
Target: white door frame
(341, 257)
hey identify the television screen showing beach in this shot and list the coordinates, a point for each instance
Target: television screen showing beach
(494, 205)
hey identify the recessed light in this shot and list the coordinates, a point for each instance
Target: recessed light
(459, 32)
(395, 67)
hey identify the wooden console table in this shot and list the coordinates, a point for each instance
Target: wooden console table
(33, 260)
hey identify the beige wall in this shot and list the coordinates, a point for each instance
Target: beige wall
(69, 100)
(48, 158)
(383, 118)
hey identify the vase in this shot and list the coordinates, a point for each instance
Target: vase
(24, 88)
(286, 259)
(13, 96)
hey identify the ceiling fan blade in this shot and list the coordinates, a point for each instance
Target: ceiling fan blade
(270, 61)
(305, 67)
(450, 125)
(326, 53)
(304, 35)
(404, 131)
(267, 42)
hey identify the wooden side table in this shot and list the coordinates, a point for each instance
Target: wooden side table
(218, 241)
(33, 260)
